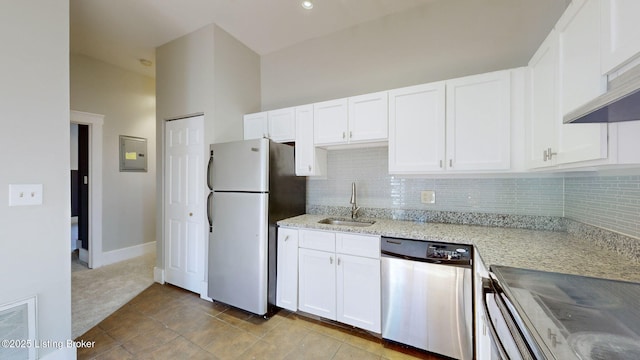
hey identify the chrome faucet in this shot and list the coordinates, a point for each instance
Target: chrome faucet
(354, 207)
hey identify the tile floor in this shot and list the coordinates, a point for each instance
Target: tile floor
(166, 322)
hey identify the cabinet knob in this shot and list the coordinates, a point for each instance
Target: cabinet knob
(344, 135)
(330, 259)
(441, 164)
(190, 214)
(338, 261)
(309, 167)
(450, 163)
(350, 134)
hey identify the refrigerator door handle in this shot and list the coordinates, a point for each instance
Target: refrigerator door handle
(209, 167)
(209, 218)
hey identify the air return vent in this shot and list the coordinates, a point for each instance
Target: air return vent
(18, 330)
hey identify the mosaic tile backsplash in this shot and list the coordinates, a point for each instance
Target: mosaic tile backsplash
(609, 202)
(377, 189)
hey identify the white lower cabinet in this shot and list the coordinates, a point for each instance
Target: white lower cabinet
(317, 283)
(339, 277)
(287, 269)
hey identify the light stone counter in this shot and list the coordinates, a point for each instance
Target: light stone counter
(530, 249)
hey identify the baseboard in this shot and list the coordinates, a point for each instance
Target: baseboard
(158, 275)
(63, 353)
(114, 256)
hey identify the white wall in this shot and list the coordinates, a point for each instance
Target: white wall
(440, 40)
(127, 100)
(207, 71)
(34, 144)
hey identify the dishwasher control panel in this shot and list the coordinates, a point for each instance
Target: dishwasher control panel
(427, 251)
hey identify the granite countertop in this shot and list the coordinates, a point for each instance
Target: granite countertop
(530, 249)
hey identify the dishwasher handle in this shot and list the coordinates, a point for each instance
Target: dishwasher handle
(390, 254)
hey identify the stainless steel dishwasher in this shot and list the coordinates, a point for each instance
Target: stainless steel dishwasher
(427, 296)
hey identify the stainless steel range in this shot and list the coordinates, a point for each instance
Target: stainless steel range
(544, 315)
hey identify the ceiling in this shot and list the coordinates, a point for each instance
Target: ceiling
(121, 32)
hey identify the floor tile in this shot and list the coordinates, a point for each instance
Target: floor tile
(315, 346)
(149, 341)
(347, 351)
(231, 344)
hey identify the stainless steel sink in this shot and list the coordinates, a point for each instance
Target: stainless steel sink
(346, 222)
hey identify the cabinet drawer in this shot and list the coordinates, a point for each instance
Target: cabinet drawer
(317, 240)
(359, 245)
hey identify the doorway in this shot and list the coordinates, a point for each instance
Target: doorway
(90, 181)
(79, 195)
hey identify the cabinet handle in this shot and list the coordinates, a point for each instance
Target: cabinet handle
(350, 134)
(344, 135)
(338, 261)
(309, 167)
(286, 238)
(440, 164)
(330, 259)
(547, 154)
(450, 163)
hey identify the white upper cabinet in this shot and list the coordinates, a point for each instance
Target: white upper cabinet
(580, 82)
(282, 126)
(620, 33)
(330, 122)
(416, 128)
(310, 161)
(543, 115)
(277, 125)
(358, 119)
(256, 126)
(368, 119)
(565, 74)
(458, 125)
(478, 122)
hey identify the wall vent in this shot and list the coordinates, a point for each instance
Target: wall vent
(18, 330)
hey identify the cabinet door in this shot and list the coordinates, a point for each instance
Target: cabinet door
(317, 283)
(256, 126)
(330, 122)
(580, 82)
(620, 33)
(543, 116)
(416, 128)
(287, 269)
(478, 122)
(310, 161)
(358, 292)
(368, 117)
(282, 125)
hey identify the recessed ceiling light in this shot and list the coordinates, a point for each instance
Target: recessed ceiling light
(307, 4)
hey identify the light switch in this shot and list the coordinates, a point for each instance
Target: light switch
(25, 194)
(428, 197)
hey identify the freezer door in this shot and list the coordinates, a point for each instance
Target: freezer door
(240, 166)
(238, 250)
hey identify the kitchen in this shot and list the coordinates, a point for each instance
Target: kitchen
(365, 166)
(578, 191)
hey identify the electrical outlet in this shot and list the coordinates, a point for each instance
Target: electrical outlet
(428, 197)
(25, 194)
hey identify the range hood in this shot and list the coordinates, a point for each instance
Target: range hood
(621, 102)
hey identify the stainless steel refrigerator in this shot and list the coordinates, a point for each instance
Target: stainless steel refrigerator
(253, 185)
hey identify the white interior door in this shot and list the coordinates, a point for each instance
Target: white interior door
(184, 203)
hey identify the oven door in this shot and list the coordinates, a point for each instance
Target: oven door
(509, 337)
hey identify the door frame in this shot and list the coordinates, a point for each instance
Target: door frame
(95, 123)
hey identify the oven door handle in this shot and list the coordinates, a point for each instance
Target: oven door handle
(487, 290)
